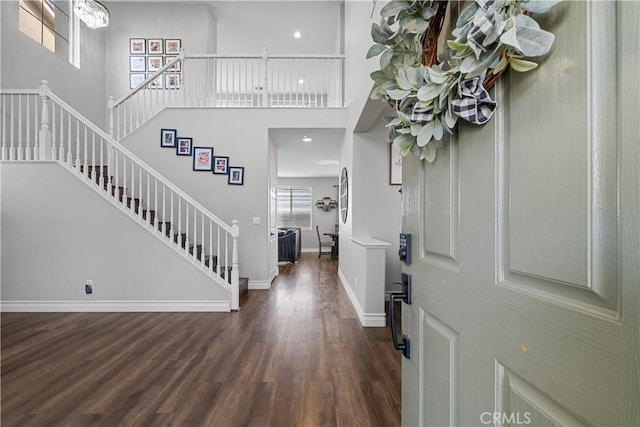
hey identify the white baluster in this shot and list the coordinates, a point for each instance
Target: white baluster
(45, 133)
(210, 245)
(112, 133)
(179, 219)
(186, 228)
(102, 165)
(29, 147)
(149, 200)
(219, 258)
(235, 272)
(20, 147)
(164, 211)
(140, 192)
(5, 152)
(202, 242)
(116, 177)
(61, 141)
(93, 157)
(195, 234)
(85, 166)
(77, 161)
(12, 149)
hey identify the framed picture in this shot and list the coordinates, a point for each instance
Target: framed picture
(172, 46)
(136, 79)
(175, 67)
(154, 46)
(154, 63)
(184, 146)
(156, 83)
(172, 81)
(236, 175)
(395, 165)
(137, 63)
(202, 158)
(220, 165)
(168, 137)
(137, 46)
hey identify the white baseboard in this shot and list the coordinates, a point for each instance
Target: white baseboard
(368, 320)
(260, 285)
(114, 306)
(309, 250)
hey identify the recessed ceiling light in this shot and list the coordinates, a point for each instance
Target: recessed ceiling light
(306, 138)
(297, 34)
(301, 81)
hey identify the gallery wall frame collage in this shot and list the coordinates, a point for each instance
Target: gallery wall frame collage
(146, 56)
(203, 158)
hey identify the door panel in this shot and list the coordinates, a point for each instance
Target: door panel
(518, 232)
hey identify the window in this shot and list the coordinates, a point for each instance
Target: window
(48, 22)
(294, 207)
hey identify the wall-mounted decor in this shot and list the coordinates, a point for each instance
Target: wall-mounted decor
(220, 165)
(172, 46)
(137, 46)
(326, 204)
(202, 158)
(177, 66)
(395, 165)
(343, 191)
(154, 63)
(154, 46)
(156, 83)
(135, 79)
(137, 63)
(172, 81)
(184, 146)
(236, 175)
(168, 137)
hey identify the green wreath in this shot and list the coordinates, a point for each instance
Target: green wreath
(430, 97)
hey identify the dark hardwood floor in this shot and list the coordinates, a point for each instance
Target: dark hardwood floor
(295, 355)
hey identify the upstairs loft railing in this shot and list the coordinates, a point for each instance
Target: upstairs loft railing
(228, 81)
(37, 125)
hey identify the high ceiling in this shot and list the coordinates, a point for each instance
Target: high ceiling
(298, 159)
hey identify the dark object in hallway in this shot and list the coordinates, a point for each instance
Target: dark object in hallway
(289, 241)
(326, 244)
(295, 355)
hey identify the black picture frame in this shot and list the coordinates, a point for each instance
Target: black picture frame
(155, 46)
(220, 165)
(154, 63)
(136, 79)
(172, 80)
(137, 46)
(202, 159)
(137, 64)
(236, 175)
(168, 138)
(172, 46)
(156, 83)
(184, 146)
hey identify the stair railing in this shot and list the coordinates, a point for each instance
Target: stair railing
(231, 81)
(38, 125)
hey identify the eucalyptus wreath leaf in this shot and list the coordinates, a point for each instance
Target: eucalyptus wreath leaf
(421, 25)
(393, 8)
(450, 119)
(437, 129)
(534, 42)
(379, 76)
(510, 38)
(403, 141)
(428, 153)
(522, 65)
(375, 50)
(415, 128)
(385, 58)
(436, 75)
(425, 134)
(539, 6)
(398, 94)
(378, 35)
(500, 65)
(428, 13)
(406, 150)
(454, 45)
(430, 91)
(403, 131)
(466, 15)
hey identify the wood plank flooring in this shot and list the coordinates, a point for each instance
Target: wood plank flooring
(295, 355)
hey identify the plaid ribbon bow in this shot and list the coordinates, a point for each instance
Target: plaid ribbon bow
(421, 114)
(473, 103)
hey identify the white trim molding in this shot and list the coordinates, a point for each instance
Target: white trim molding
(115, 306)
(368, 320)
(259, 285)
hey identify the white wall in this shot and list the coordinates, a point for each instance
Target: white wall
(243, 135)
(326, 221)
(25, 63)
(246, 27)
(374, 205)
(47, 258)
(193, 23)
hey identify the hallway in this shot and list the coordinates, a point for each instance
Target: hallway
(293, 356)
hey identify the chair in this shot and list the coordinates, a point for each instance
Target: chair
(324, 244)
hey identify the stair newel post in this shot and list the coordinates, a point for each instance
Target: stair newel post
(265, 80)
(45, 133)
(112, 130)
(235, 272)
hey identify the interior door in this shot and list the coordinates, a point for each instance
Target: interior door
(525, 243)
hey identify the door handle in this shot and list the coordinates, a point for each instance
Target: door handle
(405, 345)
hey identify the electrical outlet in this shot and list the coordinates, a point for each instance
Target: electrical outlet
(88, 287)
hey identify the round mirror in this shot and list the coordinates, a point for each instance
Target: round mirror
(344, 195)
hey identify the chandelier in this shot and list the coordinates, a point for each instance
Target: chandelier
(92, 12)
